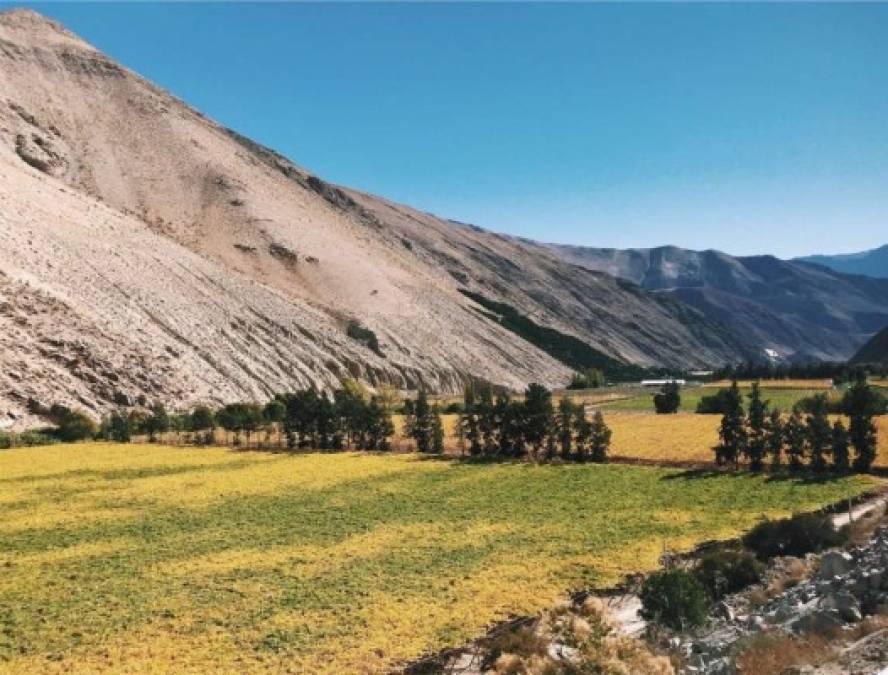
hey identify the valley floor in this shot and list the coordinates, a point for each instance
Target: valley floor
(115, 556)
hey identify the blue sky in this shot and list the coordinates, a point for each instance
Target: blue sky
(747, 128)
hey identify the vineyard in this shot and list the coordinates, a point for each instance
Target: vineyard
(130, 557)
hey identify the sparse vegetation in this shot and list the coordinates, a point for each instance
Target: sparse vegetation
(365, 336)
(796, 536)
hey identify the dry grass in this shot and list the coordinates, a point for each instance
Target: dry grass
(774, 653)
(685, 437)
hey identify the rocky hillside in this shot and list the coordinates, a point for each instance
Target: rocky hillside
(875, 350)
(147, 250)
(790, 309)
(873, 263)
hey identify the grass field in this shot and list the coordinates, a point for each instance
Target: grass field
(782, 398)
(685, 437)
(150, 558)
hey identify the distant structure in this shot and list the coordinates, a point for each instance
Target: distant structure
(660, 383)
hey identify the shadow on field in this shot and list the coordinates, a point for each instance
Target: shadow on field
(801, 478)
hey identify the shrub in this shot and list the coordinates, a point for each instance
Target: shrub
(728, 571)
(674, 598)
(365, 336)
(668, 399)
(714, 404)
(75, 426)
(796, 536)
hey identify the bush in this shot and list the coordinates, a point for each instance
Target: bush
(728, 571)
(714, 404)
(796, 536)
(674, 598)
(365, 336)
(75, 426)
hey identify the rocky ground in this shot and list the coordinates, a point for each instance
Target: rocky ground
(834, 597)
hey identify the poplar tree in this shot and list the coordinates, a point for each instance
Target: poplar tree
(756, 442)
(796, 438)
(840, 443)
(731, 433)
(600, 438)
(818, 432)
(582, 432)
(565, 426)
(774, 439)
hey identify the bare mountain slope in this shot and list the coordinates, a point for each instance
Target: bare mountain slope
(875, 350)
(146, 249)
(796, 309)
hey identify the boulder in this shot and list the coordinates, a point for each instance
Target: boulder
(835, 563)
(845, 605)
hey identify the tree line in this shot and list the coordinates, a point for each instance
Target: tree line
(531, 428)
(761, 435)
(349, 419)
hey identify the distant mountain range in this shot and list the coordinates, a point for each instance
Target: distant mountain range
(788, 309)
(872, 263)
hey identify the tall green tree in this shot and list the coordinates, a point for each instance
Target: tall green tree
(564, 423)
(732, 431)
(158, 422)
(840, 444)
(862, 403)
(600, 438)
(757, 433)
(538, 417)
(421, 427)
(818, 432)
(582, 432)
(796, 438)
(485, 415)
(668, 399)
(775, 439)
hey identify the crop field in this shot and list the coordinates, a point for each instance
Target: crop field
(685, 437)
(783, 398)
(135, 558)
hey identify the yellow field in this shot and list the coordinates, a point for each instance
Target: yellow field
(136, 558)
(684, 437)
(776, 384)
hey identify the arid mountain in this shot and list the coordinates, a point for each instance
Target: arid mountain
(145, 249)
(873, 263)
(793, 309)
(875, 350)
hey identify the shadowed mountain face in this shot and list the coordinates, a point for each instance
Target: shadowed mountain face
(873, 263)
(145, 249)
(798, 310)
(875, 350)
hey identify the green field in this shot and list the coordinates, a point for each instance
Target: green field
(782, 399)
(135, 558)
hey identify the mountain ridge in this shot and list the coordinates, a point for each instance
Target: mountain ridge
(798, 310)
(872, 263)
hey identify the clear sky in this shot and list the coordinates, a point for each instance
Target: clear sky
(747, 128)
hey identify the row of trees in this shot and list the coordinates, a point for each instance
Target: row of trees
(301, 419)
(839, 372)
(762, 433)
(532, 427)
